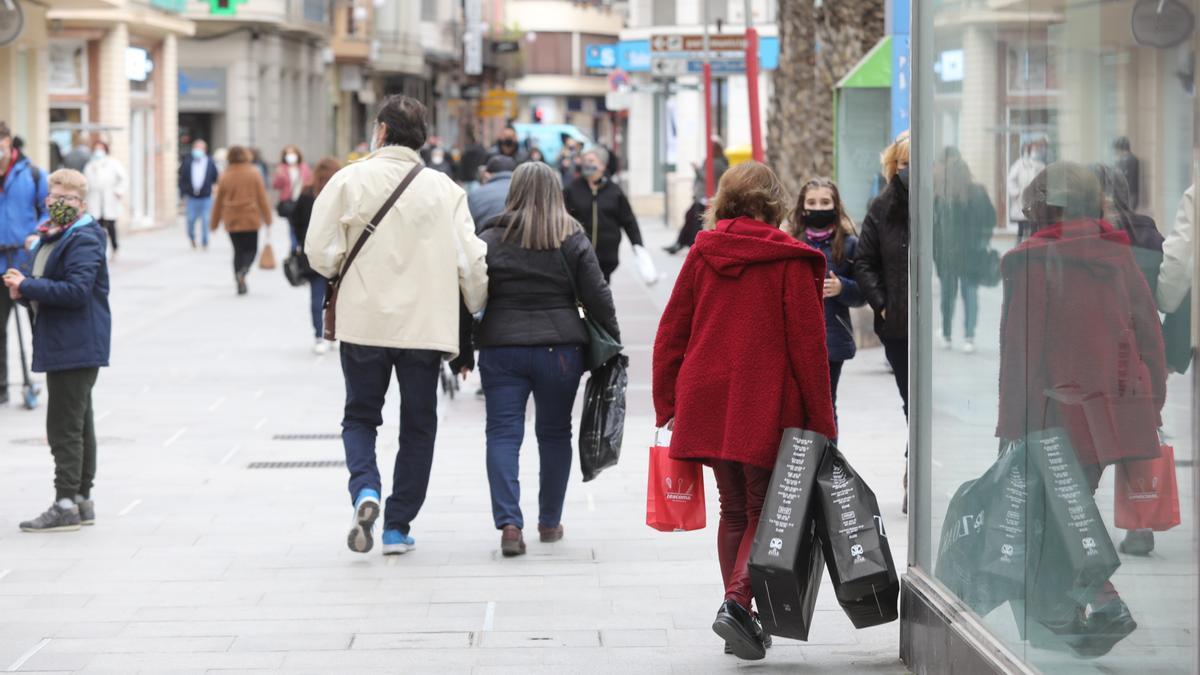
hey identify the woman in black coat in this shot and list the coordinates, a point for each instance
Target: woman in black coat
(602, 208)
(963, 221)
(298, 219)
(532, 341)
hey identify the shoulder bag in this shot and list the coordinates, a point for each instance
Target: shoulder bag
(601, 346)
(331, 292)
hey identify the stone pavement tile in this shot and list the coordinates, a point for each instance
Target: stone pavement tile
(613, 619)
(197, 660)
(413, 640)
(293, 598)
(292, 642)
(137, 645)
(53, 661)
(633, 638)
(151, 596)
(56, 627)
(514, 594)
(412, 660)
(546, 639)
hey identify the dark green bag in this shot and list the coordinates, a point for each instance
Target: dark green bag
(601, 346)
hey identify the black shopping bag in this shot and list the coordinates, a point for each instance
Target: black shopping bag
(1077, 550)
(857, 554)
(991, 524)
(786, 558)
(603, 426)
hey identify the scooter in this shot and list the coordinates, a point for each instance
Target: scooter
(29, 390)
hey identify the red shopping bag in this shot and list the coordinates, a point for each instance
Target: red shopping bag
(674, 493)
(1147, 494)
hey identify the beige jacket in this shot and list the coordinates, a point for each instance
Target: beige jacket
(1179, 259)
(402, 290)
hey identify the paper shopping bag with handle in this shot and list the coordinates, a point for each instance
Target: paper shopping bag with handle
(1147, 494)
(266, 259)
(674, 493)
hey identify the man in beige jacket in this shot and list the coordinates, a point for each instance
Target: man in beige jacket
(397, 308)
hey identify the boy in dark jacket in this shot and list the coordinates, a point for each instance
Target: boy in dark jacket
(67, 293)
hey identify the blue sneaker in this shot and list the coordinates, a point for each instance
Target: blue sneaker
(366, 511)
(395, 543)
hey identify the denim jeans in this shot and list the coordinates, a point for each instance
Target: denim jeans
(198, 209)
(316, 288)
(970, 295)
(368, 371)
(510, 375)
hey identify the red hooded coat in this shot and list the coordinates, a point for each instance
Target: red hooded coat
(1080, 344)
(740, 353)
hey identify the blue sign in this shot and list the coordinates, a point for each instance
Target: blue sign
(724, 67)
(633, 56)
(901, 90)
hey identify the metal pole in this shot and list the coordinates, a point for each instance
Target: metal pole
(752, 84)
(709, 178)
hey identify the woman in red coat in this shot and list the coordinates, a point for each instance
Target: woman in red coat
(740, 356)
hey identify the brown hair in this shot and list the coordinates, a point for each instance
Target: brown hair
(844, 228)
(283, 154)
(749, 189)
(537, 218)
(4, 131)
(322, 172)
(238, 155)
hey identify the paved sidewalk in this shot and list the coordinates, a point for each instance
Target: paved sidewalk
(199, 562)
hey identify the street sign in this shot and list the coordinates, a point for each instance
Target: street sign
(506, 47)
(674, 55)
(695, 43)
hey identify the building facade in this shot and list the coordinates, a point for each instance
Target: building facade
(1046, 444)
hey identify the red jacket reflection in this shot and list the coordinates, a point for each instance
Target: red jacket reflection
(1080, 344)
(740, 353)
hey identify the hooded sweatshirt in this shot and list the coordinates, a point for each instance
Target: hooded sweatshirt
(1080, 344)
(740, 353)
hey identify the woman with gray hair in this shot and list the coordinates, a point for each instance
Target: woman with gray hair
(532, 341)
(602, 208)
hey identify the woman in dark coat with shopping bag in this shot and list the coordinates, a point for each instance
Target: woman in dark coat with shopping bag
(963, 221)
(533, 343)
(740, 355)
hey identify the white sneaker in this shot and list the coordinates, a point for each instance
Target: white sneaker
(319, 347)
(944, 342)
(968, 347)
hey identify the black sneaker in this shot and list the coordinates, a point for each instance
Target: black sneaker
(55, 519)
(1104, 628)
(741, 631)
(87, 511)
(766, 643)
(1138, 542)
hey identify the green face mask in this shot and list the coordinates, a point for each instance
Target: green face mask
(62, 213)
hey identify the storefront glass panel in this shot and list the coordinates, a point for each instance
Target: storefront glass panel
(1050, 163)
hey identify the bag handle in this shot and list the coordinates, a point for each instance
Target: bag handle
(562, 256)
(379, 215)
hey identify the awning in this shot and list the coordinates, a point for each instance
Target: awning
(873, 71)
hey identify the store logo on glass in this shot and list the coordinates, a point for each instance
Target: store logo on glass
(1089, 545)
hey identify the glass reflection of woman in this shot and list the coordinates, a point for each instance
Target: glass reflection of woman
(963, 221)
(1081, 349)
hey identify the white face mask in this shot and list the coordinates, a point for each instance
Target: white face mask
(99, 153)
(375, 138)
(437, 156)
(291, 158)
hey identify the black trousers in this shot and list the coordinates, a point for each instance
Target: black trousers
(110, 226)
(7, 307)
(71, 430)
(897, 355)
(245, 250)
(368, 372)
(693, 222)
(835, 376)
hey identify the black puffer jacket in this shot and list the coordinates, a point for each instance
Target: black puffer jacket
(882, 265)
(612, 214)
(530, 301)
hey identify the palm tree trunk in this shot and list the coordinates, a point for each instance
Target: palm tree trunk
(819, 43)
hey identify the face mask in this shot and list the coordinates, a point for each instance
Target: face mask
(820, 219)
(99, 153)
(62, 213)
(197, 153)
(903, 175)
(588, 170)
(374, 139)
(508, 144)
(291, 158)
(437, 157)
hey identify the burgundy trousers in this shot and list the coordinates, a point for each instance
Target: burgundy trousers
(742, 488)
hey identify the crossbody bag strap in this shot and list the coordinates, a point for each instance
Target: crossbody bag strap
(562, 256)
(383, 211)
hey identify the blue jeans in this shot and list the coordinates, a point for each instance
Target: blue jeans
(510, 375)
(316, 288)
(368, 371)
(970, 296)
(198, 209)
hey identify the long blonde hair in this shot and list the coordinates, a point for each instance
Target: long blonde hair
(896, 154)
(534, 209)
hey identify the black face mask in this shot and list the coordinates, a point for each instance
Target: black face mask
(508, 145)
(820, 219)
(903, 175)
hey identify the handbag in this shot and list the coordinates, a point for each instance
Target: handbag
(285, 207)
(1147, 493)
(296, 269)
(601, 346)
(331, 291)
(603, 426)
(674, 492)
(266, 259)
